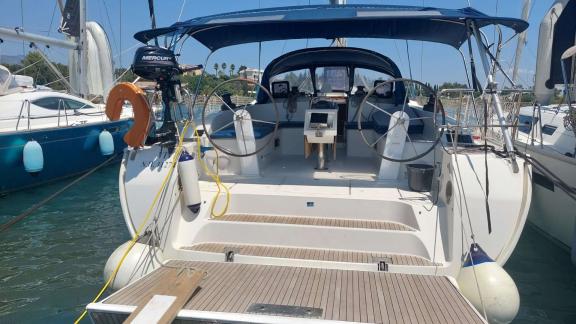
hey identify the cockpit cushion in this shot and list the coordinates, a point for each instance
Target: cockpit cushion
(381, 120)
(260, 131)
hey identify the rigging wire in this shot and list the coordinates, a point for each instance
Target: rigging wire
(259, 60)
(487, 181)
(409, 62)
(114, 41)
(398, 52)
(494, 26)
(422, 52)
(27, 66)
(163, 186)
(181, 10)
(149, 212)
(462, 196)
(52, 19)
(120, 38)
(22, 24)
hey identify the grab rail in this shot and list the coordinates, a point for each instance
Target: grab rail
(61, 103)
(465, 102)
(27, 103)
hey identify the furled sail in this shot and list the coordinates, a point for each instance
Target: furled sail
(557, 34)
(70, 24)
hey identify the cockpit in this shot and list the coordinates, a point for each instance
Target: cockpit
(317, 109)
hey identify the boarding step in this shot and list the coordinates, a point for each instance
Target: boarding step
(317, 221)
(244, 293)
(311, 254)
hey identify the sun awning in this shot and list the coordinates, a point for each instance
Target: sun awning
(447, 26)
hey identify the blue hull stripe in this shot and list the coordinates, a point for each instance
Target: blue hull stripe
(67, 151)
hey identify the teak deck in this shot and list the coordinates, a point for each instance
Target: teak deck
(317, 221)
(311, 254)
(345, 295)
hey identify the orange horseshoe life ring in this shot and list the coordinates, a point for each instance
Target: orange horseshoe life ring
(127, 91)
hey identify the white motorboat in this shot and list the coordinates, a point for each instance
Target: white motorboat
(328, 198)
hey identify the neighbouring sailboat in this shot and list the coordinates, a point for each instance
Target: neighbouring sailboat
(60, 134)
(547, 129)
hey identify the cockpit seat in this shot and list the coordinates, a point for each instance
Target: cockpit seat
(381, 121)
(291, 124)
(260, 131)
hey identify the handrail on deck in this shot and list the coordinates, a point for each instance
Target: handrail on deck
(61, 103)
(511, 101)
(27, 103)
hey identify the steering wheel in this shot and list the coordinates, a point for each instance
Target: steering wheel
(221, 99)
(419, 90)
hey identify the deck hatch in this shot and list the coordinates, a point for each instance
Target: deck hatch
(285, 310)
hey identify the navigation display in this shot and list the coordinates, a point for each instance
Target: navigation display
(319, 118)
(280, 89)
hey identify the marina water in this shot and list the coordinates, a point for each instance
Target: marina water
(51, 263)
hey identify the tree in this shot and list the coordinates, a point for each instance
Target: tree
(223, 66)
(127, 75)
(242, 70)
(453, 85)
(216, 67)
(34, 65)
(232, 68)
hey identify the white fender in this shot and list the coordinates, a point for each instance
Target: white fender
(141, 260)
(106, 143)
(33, 157)
(189, 181)
(488, 287)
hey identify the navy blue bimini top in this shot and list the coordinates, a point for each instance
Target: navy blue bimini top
(447, 26)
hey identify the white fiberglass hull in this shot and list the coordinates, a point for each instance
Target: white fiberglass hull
(552, 210)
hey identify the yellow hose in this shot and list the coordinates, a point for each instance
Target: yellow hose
(214, 176)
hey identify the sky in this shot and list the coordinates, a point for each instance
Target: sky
(428, 62)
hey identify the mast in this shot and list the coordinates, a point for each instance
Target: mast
(74, 26)
(77, 46)
(521, 40)
(82, 52)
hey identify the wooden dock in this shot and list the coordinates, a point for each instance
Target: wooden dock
(343, 295)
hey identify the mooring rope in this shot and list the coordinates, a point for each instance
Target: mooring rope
(35, 207)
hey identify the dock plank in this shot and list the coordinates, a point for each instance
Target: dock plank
(179, 283)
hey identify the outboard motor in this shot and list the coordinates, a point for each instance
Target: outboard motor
(159, 64)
